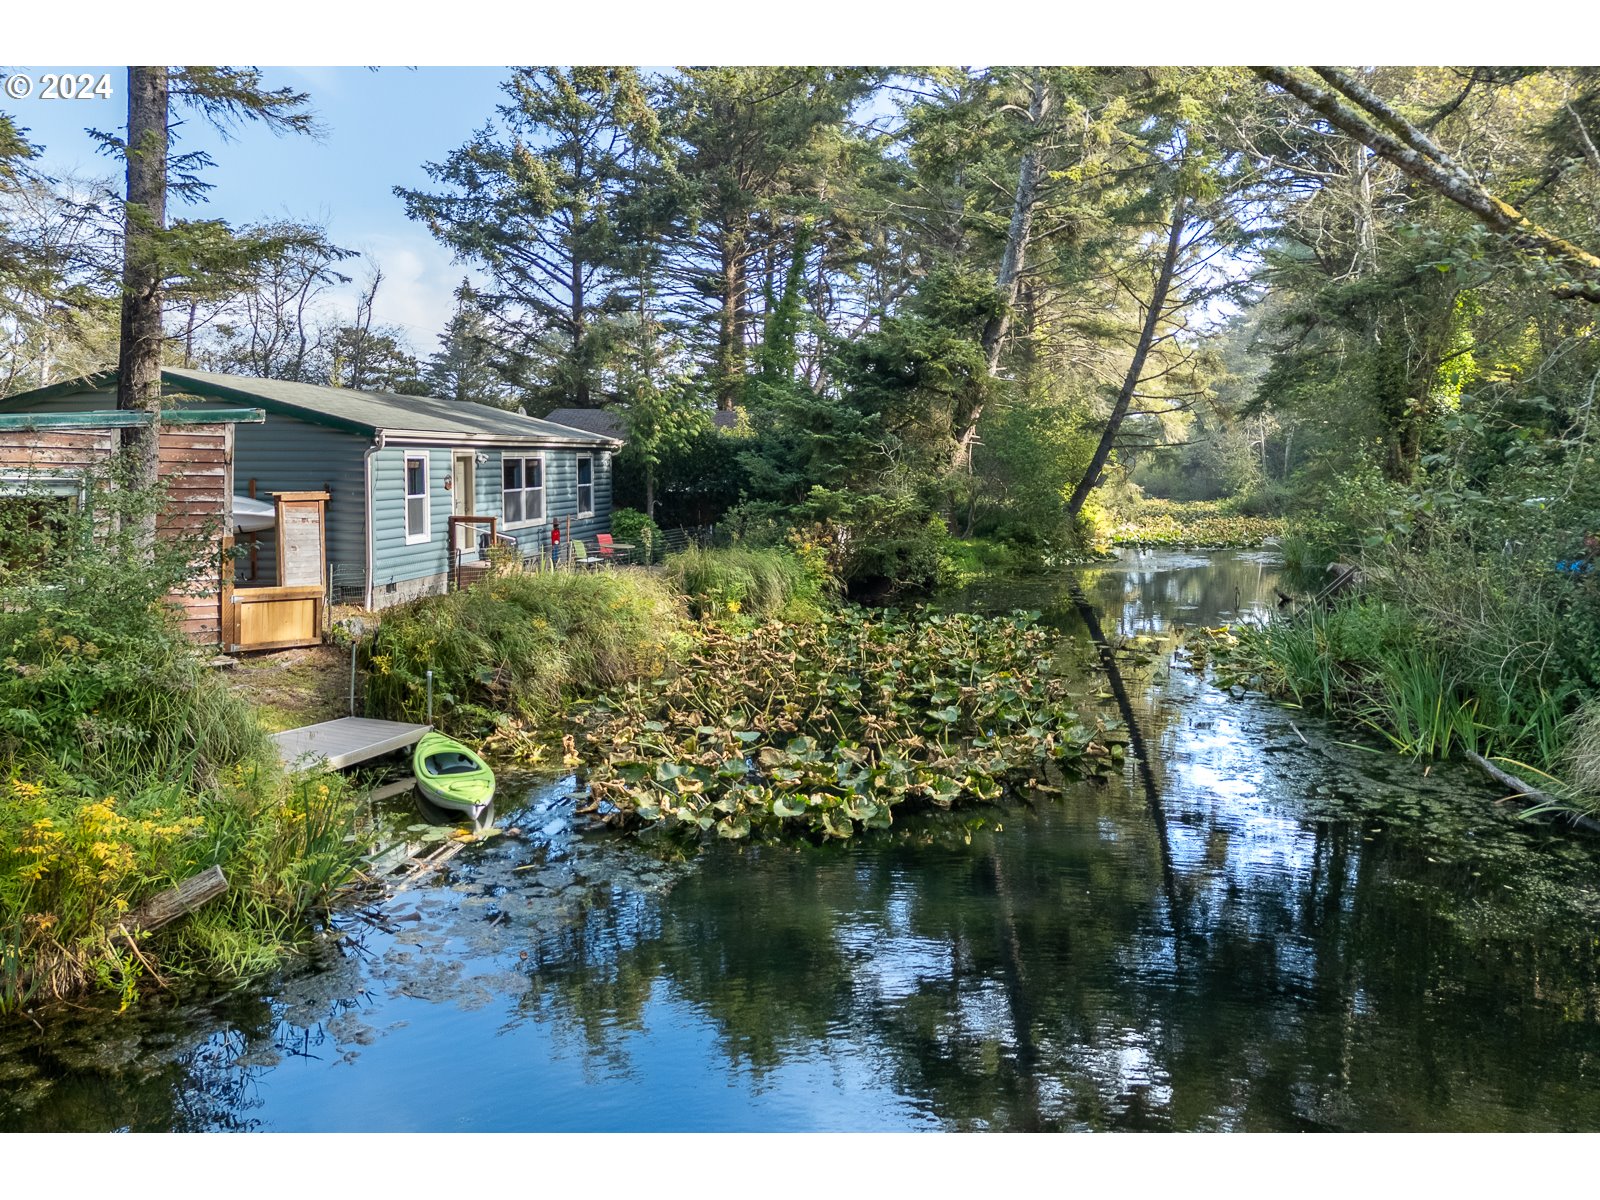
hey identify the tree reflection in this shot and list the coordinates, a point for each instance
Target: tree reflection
(1174, 955)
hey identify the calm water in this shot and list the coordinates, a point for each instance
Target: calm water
(1261, 928)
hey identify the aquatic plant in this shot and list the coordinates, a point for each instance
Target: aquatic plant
(1383, 666)
(824, 730)
(1208, 523)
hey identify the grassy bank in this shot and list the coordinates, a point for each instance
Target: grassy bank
(128, 767)
(510, 651)
(514, 646)
(1430, 692)
(1211, 524)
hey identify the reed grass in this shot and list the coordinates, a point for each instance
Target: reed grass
(517, 643)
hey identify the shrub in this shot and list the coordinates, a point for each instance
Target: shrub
(632, 526)
(129, 766)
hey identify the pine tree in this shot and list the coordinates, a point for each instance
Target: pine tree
(463, 366)
(153, 252)
(537, 207)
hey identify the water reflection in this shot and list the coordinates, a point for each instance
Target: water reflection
(1255, 928)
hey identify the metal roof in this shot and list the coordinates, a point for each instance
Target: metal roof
(398, 418)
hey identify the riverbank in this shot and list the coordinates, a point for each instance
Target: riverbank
(1433, 689)
(131, 767)
(1268, 931)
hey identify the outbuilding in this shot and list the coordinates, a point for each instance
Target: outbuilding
(52, 463)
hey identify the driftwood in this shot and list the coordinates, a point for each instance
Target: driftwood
(1342, 577)
(1527, 791)
(173, 903)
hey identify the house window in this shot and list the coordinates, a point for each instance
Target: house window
(36, 521)
(522, 489)
(586, 485)
(417, 514)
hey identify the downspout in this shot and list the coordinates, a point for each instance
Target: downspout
(366, 463)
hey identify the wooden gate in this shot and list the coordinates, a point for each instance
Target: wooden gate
(295, 613)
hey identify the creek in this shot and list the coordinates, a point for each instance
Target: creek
(1261, 923)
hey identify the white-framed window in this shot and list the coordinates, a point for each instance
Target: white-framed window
(522, 490)
(586, 485)
(419, 518)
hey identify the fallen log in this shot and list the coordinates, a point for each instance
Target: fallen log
(168, 906)
(1521, 788)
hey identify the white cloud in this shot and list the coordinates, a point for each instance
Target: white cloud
(418, 289)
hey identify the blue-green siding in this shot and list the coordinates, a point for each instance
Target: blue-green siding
(395, 563)
(287, 455)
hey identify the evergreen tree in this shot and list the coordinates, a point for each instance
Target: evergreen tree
(152, 252)
(537, 206)
(463, 366)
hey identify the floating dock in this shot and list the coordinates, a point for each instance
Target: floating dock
(345, 742)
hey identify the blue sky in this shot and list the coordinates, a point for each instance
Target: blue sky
(379, 128)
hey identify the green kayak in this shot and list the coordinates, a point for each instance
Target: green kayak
(450, 776)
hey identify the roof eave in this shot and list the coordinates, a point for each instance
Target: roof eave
(425, 437)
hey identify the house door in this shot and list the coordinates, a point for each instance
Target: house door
(462, 500)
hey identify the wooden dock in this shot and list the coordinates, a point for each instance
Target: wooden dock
(345, 742)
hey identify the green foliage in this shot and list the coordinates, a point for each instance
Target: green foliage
(130, 766)
(759, 582)
(517, 644)
(824, 730)
(540, 205)
(1207, 523)
(462, 369)
(633, 527)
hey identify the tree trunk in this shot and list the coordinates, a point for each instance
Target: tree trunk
(730, 330)
(145, 216)
(580, 389)
(1012, 259)
(1408, 148)
(1130, 381)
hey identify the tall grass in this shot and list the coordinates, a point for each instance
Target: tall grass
(761, 582)
(517, 643)
(126, 766)
(1380, 664)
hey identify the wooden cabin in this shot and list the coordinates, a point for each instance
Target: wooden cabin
(55, 456)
